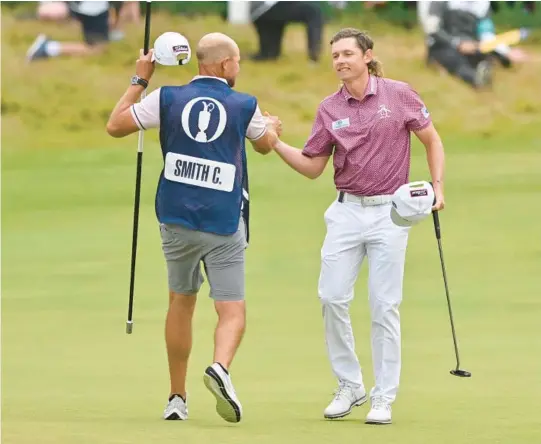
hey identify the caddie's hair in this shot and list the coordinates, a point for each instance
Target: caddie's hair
(364, 42)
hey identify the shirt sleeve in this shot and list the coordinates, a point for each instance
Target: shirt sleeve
(146, 113)
(320, 142)
(417, 115)
(257, 127)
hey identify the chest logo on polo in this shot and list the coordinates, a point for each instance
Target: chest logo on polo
(383, 112)
(342, 123)
(204, 119)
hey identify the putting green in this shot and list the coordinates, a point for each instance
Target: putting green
(71, 374)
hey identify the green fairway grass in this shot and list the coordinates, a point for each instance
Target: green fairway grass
(70, 374)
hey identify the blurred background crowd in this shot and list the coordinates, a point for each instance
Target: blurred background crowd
(453, 30)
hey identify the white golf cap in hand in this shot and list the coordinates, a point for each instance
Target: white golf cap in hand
(171, 49)
(412, 202)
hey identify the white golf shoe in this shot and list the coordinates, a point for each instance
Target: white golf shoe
(380, 413)
(177, 409)
(345, 398)
(218, 381)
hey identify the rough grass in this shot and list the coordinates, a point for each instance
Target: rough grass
(66, 99)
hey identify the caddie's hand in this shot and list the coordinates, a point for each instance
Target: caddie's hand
(144, 67)
(272, 138)
(440, 202)
(274, 124)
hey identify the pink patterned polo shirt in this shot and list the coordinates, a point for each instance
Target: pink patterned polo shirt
(370, 139)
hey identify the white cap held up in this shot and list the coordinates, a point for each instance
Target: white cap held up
(171, 49)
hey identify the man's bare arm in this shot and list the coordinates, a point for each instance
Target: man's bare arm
(265, 143)
(311, 167)
(436, 160)
(121, 122)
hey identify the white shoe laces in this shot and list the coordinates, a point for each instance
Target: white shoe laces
(380, 404)
(341, 391)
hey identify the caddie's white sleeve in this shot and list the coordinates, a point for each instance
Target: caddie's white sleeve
(146, 113)
(257, 127)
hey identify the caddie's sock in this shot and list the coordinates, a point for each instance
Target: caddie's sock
(53, 48)
(223, 368)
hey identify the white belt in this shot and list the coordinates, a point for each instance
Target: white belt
(366, 201)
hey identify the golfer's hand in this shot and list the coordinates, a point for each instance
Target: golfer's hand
(468, 47)
(440, 202)
(144, 67)
(274, 124)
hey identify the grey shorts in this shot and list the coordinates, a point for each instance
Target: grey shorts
(222, 258)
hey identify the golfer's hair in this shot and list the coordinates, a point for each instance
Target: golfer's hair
(364, 42)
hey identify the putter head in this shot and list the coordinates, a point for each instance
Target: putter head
(461, 373)
(129, 327)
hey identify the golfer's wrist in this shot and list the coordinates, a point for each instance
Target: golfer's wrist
(278, 144)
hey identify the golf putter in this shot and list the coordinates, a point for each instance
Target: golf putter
(129, 322)
(456, 371)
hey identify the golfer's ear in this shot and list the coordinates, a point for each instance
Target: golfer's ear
(368, 56)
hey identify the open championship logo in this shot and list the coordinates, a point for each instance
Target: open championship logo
(206, 107)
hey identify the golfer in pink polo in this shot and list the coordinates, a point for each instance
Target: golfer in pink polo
(365, 126)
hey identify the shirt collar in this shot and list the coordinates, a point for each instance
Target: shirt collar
(371, 88)
(209, 77)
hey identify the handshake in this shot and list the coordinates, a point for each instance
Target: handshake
(274, 128)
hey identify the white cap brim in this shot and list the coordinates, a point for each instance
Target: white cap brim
(166, 61)
(398, 220)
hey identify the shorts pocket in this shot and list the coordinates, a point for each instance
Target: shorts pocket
(166, 235)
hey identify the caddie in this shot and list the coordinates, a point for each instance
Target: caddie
(202, 188)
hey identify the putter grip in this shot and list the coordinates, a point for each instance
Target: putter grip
(436, 218)
(146, 42)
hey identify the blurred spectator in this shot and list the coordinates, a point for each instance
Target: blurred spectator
(503, 53)
(453, 31)
(119, 14)
(270, 19)
(94, 19)
(53, 11)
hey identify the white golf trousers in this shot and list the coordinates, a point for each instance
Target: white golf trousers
(353, 232)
